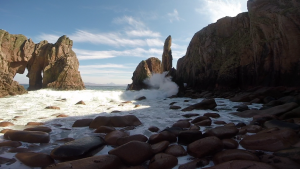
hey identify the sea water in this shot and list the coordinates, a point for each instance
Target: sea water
(100, 101)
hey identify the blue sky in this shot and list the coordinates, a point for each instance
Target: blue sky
(111, 37)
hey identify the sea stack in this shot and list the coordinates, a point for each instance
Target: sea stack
(57, 62)
(167, 55)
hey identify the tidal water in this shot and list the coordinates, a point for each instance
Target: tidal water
(100, 101)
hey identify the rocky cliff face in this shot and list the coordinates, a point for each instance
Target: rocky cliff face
(256, 48)
(167, 55)
(57, 62)
(144, 70)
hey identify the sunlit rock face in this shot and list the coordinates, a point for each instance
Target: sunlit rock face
(255, 48)
(57, 62)
(143, 71)
(167, 55)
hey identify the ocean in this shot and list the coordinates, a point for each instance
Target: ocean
(100, 101)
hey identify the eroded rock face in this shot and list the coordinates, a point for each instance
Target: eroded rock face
(259, 47)
(167, 55)
(143, 71)
(57, 62)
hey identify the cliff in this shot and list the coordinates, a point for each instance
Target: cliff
(256, 48)
(57, 62)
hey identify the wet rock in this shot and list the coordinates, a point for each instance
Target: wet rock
(141, 98)
(241, 108)
(205, 146)
(222, 132)
(6, 124)
(137, 137)
(279, 162)
(5, 130)
(10, 144)
(176, 150)
(175, 107)
(241, 124)
(252, 128)
(281, 125)
(242, 131)
(220, 122)
(194, 127)
(194, 164)
(163, 136)
(212, 115)
(295, 113)
(230, 144)
(66, 139)
(80, 148)
(6, 161)
(291, 153)
(133, 153)
(199, 119)
(204, 104)
(153, 129)
(104, 129)
(163, 161)
(235, 154)
(172, 103)
(35, 124)
(272, 141)
(52, 107)
(62, 115)
(18, 150)
(27, 136)
(173, 130)
(39, 128)
(32, 159)
(189, 136)
(188, 115)
(112, 137)
(206, 122)
(95, 162)
(277, 110)
(241, 164)
(82, 123)
(137, 105)
(80, 102)
(229, 125)
(182, 124)
(159, 147)
(115, 121)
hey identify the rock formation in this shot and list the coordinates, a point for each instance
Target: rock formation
(57, 62)
(167, 55)
(143, 71)
(255, 48)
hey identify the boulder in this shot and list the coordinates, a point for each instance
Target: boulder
(133, 153)
(82, 123)
(222, 132)
(291, 153)
(104, 129)
(295, 113)
(10, 144)
(212, 115)
(79, 148)
(33, 159)
(52, 107)
(205, 146)
(189, 136)
(112, 137)
(199, 119)
(270, 141)
(27, 136)
(182, 124)
(95, 162)
(6, 124)
(39, 128)
(176, 150)
(252, 128)
(175, 107)
(159, 147)
(163, 161)
(80, 102)
(240, 164)
(203, 105)
(194, 164)
(279, 162)
(163, 136)
(153, 129)
(281, 125)
(234, 154)
(230, 144)
(115, 121)
(137, 137)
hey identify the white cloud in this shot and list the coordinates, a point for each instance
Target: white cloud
(216, 9)
(137, 52)
(154, 42)
(174, 16)
(49, 37)
(142, 33)
(129, 20)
